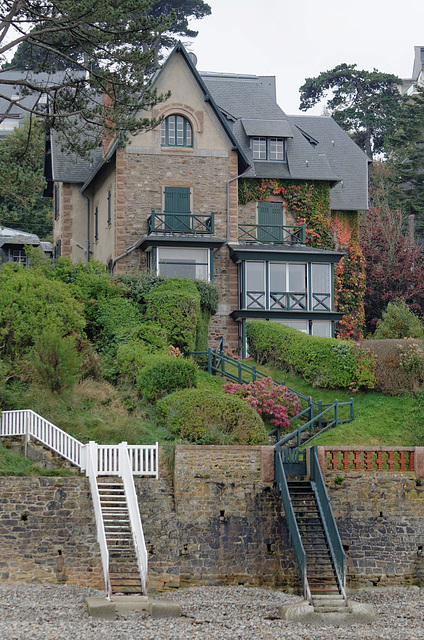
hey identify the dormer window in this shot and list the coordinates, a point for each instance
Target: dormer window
(268, 139)
(269, 149)
(176, 131)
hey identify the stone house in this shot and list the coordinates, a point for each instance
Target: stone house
(227, 188)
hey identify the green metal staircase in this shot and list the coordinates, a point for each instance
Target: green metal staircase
(313, 530)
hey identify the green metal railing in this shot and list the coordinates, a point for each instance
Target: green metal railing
(316, 417)
(295, 537)
(278, 233)
(181, 222)
(330, 527)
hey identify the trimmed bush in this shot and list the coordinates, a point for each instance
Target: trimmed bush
(399, 365)
(212, 418)
(175, 306)
(132, 356)
(324, 362)
(398, 321)
(112, 319)
(165, 374)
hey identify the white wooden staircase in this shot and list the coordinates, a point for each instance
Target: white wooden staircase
(123, 568)
(110, 470)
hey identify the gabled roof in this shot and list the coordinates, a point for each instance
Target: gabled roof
(245, 105)
(179, 48)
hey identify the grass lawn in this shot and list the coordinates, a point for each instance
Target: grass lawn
(379, 419)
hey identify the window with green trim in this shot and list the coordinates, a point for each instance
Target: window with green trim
(176, 131)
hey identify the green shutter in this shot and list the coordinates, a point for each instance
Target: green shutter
(270, 214)
(177, 206)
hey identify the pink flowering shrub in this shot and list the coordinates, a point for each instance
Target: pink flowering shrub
(272, 401)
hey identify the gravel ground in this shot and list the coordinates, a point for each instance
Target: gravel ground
(40, 612)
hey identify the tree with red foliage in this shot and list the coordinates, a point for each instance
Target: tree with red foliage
(394, 265)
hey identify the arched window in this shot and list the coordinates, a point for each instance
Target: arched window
(176, 131)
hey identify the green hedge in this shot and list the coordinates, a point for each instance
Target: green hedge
(324, 362)
(164, 374)
(212, 418)
(175, 306)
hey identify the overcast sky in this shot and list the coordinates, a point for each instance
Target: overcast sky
(298, 39)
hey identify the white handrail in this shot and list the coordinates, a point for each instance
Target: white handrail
(28, 423)
(91, 471)
(144, 459)
(134, 514)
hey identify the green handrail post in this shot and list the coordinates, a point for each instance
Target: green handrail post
(352, 412)
(253, 374)
(311, 413)
(336, 412)
(240, 376)
(209, 360)
(299, 431)
(319, 414)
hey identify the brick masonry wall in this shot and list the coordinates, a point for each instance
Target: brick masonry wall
(380, 520)
(48, 532)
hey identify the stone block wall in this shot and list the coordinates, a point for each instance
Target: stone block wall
(217, 521)
(213, 519)
(48, 532)
(381, 525)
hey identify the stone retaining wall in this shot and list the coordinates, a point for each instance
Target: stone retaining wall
(213, 519)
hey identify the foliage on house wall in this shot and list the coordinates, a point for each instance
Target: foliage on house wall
(311, 204)
(350, 277)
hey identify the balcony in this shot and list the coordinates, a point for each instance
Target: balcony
(281, 234)
(287, 301)
(180, 223)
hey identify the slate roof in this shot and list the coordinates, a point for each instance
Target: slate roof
(71, 167)
(317, 148)
(12, 236)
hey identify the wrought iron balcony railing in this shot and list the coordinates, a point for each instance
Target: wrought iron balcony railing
(284, 234)
(180, 223)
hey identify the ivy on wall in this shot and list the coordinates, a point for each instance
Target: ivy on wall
(310, 202)
(350, 277)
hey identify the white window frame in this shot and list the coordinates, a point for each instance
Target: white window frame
(207, 262)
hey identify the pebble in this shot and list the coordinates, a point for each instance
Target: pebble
(58, 612)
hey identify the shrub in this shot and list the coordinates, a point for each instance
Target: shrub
(29, 303)
(54, 361)
(175, 306)
(212, 418)
(165, 374)
(139, 284)
(324, 362)
(399, 365)
(111, 319)
(272, 401)
(398, 321)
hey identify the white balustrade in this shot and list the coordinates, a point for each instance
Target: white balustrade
(144, 459)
